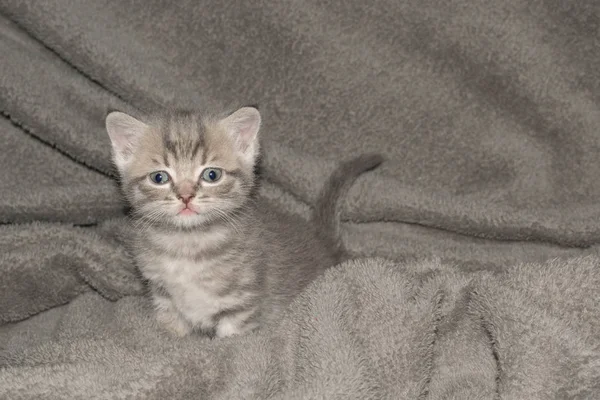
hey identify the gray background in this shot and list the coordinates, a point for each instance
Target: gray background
(487, 112)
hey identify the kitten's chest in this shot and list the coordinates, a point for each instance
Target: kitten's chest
(195, 289)
(194, 270)
(172, 272)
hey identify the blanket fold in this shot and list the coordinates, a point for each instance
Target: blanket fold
(45, 265)
(369, 329)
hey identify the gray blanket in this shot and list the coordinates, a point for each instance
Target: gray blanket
(477, 265)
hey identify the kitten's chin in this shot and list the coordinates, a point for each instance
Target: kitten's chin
(189, 219)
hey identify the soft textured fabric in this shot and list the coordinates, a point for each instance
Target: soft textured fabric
(486, 209)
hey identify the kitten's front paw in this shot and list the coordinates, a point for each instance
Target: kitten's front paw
(228, 328)
(173, 323)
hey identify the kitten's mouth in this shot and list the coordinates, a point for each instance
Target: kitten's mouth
(187, 211)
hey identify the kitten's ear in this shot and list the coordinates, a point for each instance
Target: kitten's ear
(124, 131)
(243, 126)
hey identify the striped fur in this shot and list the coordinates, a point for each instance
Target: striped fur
(236, 264)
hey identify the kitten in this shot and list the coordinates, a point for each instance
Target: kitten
(217, 260)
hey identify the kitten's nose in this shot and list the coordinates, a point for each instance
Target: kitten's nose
(185, 198)
(185, 191)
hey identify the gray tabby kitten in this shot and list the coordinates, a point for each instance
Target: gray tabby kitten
(217, 260)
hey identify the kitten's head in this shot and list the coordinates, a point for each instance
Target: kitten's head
(185, 168)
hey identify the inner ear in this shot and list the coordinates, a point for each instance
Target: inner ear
(124, 131)
(243, 126)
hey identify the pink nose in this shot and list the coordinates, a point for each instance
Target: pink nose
(185, 198)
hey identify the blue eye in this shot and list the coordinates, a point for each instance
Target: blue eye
(212, 174)
(159, 177)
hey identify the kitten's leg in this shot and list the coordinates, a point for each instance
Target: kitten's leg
(236, 324)
(168, 316)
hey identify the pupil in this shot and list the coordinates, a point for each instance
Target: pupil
(158, 178)
(212, 175)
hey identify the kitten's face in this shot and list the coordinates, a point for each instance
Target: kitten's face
(185, 169)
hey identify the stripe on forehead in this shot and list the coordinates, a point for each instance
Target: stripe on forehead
(169, 137)
(183, 135)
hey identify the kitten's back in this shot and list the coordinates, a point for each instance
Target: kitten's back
(299, 251)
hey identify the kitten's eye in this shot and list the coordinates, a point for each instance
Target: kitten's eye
(159, 177)
(212, 174)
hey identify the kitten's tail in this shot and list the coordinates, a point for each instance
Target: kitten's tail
(326, 215)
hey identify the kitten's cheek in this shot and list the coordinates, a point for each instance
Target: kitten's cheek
(143, 198)
(137, 195)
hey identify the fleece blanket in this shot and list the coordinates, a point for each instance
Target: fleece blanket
(476, 262)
